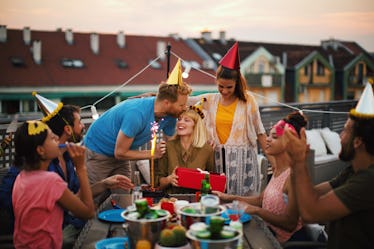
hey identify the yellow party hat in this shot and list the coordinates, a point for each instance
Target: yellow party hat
(35, 127)
(48, 107)
(175, 77)
(365, 106)
(198, 107)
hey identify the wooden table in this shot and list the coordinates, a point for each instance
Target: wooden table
(256, 235)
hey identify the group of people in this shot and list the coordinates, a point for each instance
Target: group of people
(216, 132)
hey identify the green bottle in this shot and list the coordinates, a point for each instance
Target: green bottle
(205, 186)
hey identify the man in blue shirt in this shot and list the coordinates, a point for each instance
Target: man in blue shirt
(114, 138)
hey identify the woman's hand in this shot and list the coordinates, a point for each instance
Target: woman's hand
(118, 182)
(223, 196)
(160, 149)
(173, 178)
(248, 208)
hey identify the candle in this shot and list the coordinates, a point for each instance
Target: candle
(152, 159)
(154, 129)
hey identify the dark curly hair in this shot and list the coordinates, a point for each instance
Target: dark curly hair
(297, 120)
(64, 117)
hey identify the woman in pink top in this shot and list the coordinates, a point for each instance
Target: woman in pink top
(39, 196)
(277, 203)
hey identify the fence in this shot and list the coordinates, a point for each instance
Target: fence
(325, 114)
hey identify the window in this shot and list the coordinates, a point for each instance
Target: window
(17, 61)
(121, 64)
(261, 67)
(217, 56)
(72, 63)
(28, 106)
(360, 74)
(320, 69)
(306, 70)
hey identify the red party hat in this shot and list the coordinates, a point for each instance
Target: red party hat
(231, 59)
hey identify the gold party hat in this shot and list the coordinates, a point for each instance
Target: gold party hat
(198, 107)
(175, 77)
(365, 106)
(35, 127)
(48, 107)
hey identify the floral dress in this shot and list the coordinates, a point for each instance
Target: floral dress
(240, 150)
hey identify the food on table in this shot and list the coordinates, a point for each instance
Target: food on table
(173, 237)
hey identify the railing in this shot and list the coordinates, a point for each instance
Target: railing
(325, 114)
(256, 79)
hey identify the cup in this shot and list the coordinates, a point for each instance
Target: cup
(209, 204)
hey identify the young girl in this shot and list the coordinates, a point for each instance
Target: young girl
(39, 196)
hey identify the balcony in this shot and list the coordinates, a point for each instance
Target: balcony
(264, 80)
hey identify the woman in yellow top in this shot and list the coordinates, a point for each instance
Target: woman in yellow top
(188, 148)
(234, 126)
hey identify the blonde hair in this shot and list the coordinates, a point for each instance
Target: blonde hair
(171, 92)
(200, 133)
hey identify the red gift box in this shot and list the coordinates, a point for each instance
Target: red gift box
(191, 178)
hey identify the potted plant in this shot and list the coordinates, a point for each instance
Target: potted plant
(173, 238)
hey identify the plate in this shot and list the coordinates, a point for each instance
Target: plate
(112, 215)
(112, 243)
(243, 218)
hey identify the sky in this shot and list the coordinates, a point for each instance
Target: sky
(276, 21)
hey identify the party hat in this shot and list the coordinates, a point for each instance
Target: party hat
(35, 127)
(198, 107)
(48, 107)
(231, 59)
(175, 77)
(365, 106)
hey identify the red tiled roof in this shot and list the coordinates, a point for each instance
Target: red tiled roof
(99, 69)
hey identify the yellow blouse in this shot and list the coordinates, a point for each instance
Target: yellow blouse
(224, 119)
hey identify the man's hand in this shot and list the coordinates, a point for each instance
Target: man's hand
(118, 182)
(296, 148)
(77, 154)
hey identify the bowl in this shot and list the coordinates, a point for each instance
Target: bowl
(187, 219)
(143, 229)
(214, 244)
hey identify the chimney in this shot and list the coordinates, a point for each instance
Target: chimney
(27, 35)
(161, 47)
(284, 59)
(94, 41)
(175, 36)
(222, 37)
(69, 36)
(121, 41)
(37, 51)
(2, 33)
(207, 35)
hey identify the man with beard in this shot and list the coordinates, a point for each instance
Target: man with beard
(346, 201)
(115, 137)
(67, 125)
